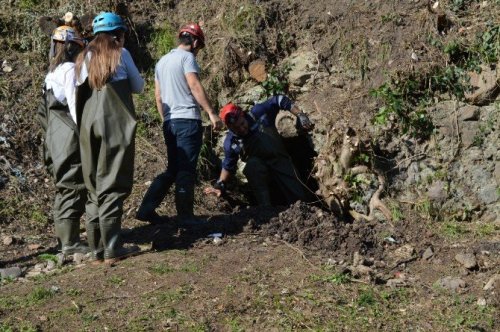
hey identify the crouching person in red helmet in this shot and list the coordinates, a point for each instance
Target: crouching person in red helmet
(253, 137)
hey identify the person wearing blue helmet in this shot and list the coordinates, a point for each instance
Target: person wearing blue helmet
(107, 77)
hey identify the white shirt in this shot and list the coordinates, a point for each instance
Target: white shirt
(62, 82)
(126, 70)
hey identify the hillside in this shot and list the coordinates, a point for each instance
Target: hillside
(404, 164)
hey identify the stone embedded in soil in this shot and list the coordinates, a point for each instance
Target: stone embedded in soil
(34, 246)
(428, 253)
(61, 258)
(402, 254)
(469, 113)
(50, 265)
(492, 283)
(451, 283)
(11, 272)
(78, 258)
(481, 301)
(437, 191)
(39, 267)
(7, 240)
(468, 260)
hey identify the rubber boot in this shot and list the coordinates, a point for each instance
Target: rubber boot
(68, 232)
(184, 202)
(263, 197)
(113, 247)
(153, 198)
(95, 243)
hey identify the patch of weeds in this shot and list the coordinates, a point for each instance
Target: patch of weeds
(190, 267)
(161, 269)
(39, 295)
(402, 105)
(396, 213)
(73, 292)
(8, 303)
(147, 113)
(39, 216)
(453, 229)
(164, 40)
(484, 230)
(29, 4)
(335, 278)
(366, 298)
(47, 257)
(277, 80)
(235, 324)
(176, 295)
(116, 280)
(392, 17)
(88, 318)
(18, 326)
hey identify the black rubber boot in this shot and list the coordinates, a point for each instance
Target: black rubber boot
(113, 247)
(95, 243)
(153, 198)
(68, 232)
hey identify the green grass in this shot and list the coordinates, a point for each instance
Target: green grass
(164, 40)
(39, 295)
(116, 280)
(161, 269)
(47, 257)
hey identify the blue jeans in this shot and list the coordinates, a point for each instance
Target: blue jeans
(183, 138)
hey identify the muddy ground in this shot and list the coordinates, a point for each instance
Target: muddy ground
(301, 267)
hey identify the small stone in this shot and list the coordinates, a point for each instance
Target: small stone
(357, 259)
(8, 240)
(55, 289)
(61, 258)
(481, 302)
(451, 283)
(468, 260)
(11, 272)
(428, 253)
(39, 267)
(217, 241)
(469, 113)
(492, 283)
(42, 318)
(50, 265)
(78, 258)
(33, 273)
(34, 246)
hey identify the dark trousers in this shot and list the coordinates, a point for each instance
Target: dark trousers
(183, 138)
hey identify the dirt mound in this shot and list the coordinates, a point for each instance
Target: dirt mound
(317, 230)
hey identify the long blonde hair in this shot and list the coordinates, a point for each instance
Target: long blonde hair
(105, 52)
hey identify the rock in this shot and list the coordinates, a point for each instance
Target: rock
(39, 267)
(33, 273)
(437, 191)
(8, 240)
(257, 70)
(61, 258)
(6, 67)
(50, 265)
(451, 283)
(485, 86)
(11, 272)
(469, 113)
(393, 283)
(303, 66)
(403, 254)
(217, 241)
(488, 194)
(357, 259)
(55, 289)
(492, 283)
(467, 260)
(428, 253)
(361, 270)
(78, 258)
(34, 246)
(481, 301)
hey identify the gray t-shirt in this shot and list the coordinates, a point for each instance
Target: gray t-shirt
(177, 100)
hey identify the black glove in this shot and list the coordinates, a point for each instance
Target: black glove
(304, 121)
(220, 185)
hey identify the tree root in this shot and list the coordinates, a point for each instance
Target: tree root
(375, 204)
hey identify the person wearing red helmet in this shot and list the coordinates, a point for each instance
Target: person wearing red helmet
(179, 98)
(253, 137)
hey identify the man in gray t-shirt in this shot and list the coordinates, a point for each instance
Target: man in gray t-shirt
(179, 95)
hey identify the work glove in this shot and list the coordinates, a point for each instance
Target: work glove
(304, 121)
(220, 185)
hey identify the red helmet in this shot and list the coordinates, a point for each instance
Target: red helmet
(230, 113)
(194, 30)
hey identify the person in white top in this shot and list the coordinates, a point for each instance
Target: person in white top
(106, 116)
(61, 142)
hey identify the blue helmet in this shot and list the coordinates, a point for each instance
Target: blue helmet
(107, 22)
